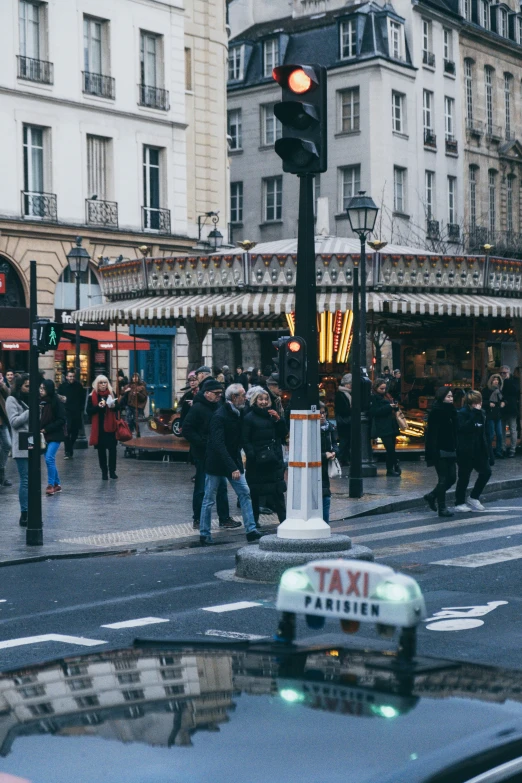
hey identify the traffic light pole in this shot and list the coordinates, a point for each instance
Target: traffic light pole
(368, 464)
(34, 532)
(355, 487)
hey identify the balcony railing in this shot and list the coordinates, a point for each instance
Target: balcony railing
(477, 237)
(449, 67)
(154, 97)
(453, 232)
(40, 206)
(155, 220)
(97, 84)
(35, 70)
(430, 139)
(432, 229)
(493, 132)
(101, 213)
(473, 127)
(452, 145)
(428, 58)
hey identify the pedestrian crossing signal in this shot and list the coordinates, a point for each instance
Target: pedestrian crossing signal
(46, 335)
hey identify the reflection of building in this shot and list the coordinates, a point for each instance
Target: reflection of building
(102, 137)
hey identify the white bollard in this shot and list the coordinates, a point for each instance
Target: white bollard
(304, 500)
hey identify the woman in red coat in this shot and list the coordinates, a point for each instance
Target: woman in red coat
(101, 407)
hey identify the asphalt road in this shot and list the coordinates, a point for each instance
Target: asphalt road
(479, 597)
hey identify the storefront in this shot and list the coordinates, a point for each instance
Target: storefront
(99, 352)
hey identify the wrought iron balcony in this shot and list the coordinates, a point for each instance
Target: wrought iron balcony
(449, 67)
(35, 70)
(101, 213)
(493, 132)
(430, 139)
(452, 145)
(97, 84)
(477, 237)
(155, 220)
(432, 229)
(473, 127)
(154, 97)
(428, 58)
(40, 206)
(453, 232)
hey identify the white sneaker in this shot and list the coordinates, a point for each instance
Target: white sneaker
(475, 505)
(462, 507)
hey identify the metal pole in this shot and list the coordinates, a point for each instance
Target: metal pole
(473, 356)
(368, 467)
(34, 532)
(136, 422)
(305, 294)
(363, 302)
(77, 359)
(356, 482)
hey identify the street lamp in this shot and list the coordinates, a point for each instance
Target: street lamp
(78, 259)
(362, 214)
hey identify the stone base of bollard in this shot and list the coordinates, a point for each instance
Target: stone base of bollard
(268, 560)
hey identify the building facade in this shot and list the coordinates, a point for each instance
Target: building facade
(113, 127)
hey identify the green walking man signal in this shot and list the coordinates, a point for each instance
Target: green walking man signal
(46, 335)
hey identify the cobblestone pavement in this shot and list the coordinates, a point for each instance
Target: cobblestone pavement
(151, 505)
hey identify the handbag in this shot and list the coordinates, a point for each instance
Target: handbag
(123, 432)
(401, 420)
(266, 456)
(334, 468)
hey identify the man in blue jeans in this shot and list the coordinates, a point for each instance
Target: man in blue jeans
(223, 459)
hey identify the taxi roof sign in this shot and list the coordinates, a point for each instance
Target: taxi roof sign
(352, 590)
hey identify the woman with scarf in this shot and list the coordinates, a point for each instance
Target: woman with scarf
(101, 407)
(135, 400)
(343, 417)
(441, 448)
(17, 408)
(52, 425)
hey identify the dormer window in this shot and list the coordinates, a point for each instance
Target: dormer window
(396, 39)
(519, 29)
(503, 23)
(484, 14)
(348, 39)
(235, 63)
(270, 56)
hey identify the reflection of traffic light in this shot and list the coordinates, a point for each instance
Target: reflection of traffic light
(48, 334)
(302, 113)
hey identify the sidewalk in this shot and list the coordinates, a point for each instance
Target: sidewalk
(150, 506)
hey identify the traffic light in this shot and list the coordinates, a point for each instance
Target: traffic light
(46, 335)
(302, 113)
(291, 361)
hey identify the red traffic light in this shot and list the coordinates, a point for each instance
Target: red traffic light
(299, 79)
(294, 346)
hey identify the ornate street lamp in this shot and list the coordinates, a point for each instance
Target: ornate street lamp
(78, 259)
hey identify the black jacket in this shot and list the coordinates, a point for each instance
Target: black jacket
(53, 412)
(343, 410)
(492, 414)
(441, 434)
(185, 401)
(328, 443)
(259, 432)
(511, 396)
(384, 422)
(224, 443)
(196, 424)
(74, 394)
(473, 443)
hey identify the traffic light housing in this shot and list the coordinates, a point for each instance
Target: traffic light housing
(46, 335)
(291, 361)
(303, 115)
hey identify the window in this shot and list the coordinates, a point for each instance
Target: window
(29, 18)
(235, 63)
(350, 182)
(488, 80)
(123, 665)
(174, 690)
(317, 191)
(348, 33)
(149, 52)
(87, 701)
(172, 674)
(151, 187)
(398, 112)
(33, 169)
(236, 202)
(396, 45)
(427, 109)
(271, 128)
(188, 69)
(492, 197)
(484, 14)
(234, 129)
(452, 200)
(32, 691)
(97, 153)
(519, 29)
(449, 115)
(76, 670)
(129, 678)
(82, 684)
(349, 113)
(466, 9)
(273, 199)
(509, 204)
(399, 189)
(472, 196)
(92, 45)
(41, 709)
(270, 56)
(448, 45)
(426, 36)
(429, 193)
(503, 23)
(133, 695)
(508, 80)
(468, 81)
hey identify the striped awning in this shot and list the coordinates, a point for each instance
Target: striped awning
(445, 304)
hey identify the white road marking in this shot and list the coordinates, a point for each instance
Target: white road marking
(251, 637)
(455, 625)
(436, 543)
(231, 607)
(504, 508)
(483, 558)
(461, 618)
(3, 600)
(412, 531)
(81, 641)
(135, 623)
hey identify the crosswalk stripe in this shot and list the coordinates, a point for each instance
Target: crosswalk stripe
(135, 623)
(411, 531)
(249, 637)
(233, 607)
(480, 559)
(435, 543)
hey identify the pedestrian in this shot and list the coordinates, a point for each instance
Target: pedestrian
(272, 384)
(121, 382)
(189, 396)
(329, 451)
(494, 404)
(102, 407)
(229, 378)
(195, 429)
(17, 407)
(74, 394)
(394, 386)
(241, 377)
(386, 376)
(384, 424)
(9, 379)
(263, 431)
(441, 448)
(474, 452)
(510, 411)
(343, 417)
(223, 458)
(135, 399)
(5, 437)
(52, 425)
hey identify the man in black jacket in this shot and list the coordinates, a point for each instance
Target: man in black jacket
(224, 460)
(74, 395)
(195, 429)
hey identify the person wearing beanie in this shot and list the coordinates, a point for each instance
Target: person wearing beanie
(52, 425)
(343, 417)
(441, 448)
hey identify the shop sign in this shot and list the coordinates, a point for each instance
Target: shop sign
(99, 357)
(14, 346)
(59, 356)
(2, 283)
(65, 317)
(105, 346)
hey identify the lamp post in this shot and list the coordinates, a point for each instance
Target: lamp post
(78, 259)
(215, 237)
(362, 214)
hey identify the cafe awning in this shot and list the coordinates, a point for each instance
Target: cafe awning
(19, 340)
(110, 341)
